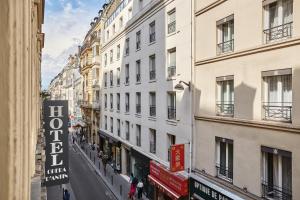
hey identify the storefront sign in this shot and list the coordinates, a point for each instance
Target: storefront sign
(177, 158)
(56, 135)
(174, 181)
(198, 189)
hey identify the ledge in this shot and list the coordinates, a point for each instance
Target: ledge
(252, 123)
(209, 7)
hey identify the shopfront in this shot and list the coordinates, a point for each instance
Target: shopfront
(167, 185)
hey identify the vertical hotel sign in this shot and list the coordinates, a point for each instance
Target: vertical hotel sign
(177, 158)
(56, 136)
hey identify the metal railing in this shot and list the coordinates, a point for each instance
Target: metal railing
(226, 46)
(224, 173)
(171, 112)
(278, 111)
(152, 75)
(152, 110)
(138, 78)
(127, 80)
(271, 191)
(172, 27)
(171, 71)
(152, 147)
(279, 32)
(127, 107)
(152, 37)
(138, 108)
(225, 108)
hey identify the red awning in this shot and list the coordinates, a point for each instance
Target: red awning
(172, 194)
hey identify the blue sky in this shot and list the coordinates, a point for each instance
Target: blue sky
(66, 23)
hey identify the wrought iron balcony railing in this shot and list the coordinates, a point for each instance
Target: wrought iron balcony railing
(171, 112)
(225, 108)
(279, 32)
(152, 147)
(152, 110)
(152, 37)
(172, 27)
(171, 71)
(127, 107)
(278, 111)
(152, 75)
(138, 78)
(127, 80)
(271, 191)
(226, 46)
(138, 108)
(224, 173)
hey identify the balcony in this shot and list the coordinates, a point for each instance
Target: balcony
(152, 37)
(226, 46)
(271, 191)
(279, 32)
(152, 147)
(225, 108)
(138, 78)
(94, 38)
(278, 111)
(172, 27)
(171, 71)
(171, 112)
(152, 75)
(152, 110)
(138, 108)
(224, 173)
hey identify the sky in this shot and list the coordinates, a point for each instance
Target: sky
(65, 25)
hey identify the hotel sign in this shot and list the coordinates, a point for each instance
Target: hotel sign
(177, 158)
(56, 137)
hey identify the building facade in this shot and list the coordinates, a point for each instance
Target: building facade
(22, 41)
(247, 74)
(146, 52)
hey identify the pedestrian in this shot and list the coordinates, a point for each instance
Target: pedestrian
(73, 138)
(66, 195)
(132, 190)
(140, 187)
(131, 178)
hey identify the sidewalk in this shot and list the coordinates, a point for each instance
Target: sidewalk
(118, 183)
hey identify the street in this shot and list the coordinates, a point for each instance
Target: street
(85, 183)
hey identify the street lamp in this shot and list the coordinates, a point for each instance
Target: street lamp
(179, 86)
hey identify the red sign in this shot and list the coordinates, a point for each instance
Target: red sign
(177, 158)
(174, 181)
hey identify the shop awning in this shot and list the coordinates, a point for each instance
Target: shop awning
(108, 136)
(165, 189)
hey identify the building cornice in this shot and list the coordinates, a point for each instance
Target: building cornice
(255, 50)
(209, 7)
(251, 123)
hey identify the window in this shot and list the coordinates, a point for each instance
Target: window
(127, 132)
(111, 74)
(118, 127)
(111, 125)
(138, 103)
(138, 40)
(152, 74)
(126, 74)
(118, 101)
(95, 50)
(276, 174)
(141, 4)
(105, 122)
(152, 103)
(172, 62)
(107, 35)
(172, 21)
(111, 101)
(225, 96)
(138, 135)
(127, 47)
(172, 105)
(225, 28)
(224, 158)
(118, 76)
(129, 13)
(138, 71)
(105, 101)
(105, 79)
(111, 56)
(278, 20)
(105, 59)
(121, 22)
(114, 29)
(118, 52)
(152, 32)
(152, 141)
(277, 103)
(127, 102)
(171, 141)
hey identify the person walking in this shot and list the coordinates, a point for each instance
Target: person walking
(66, 194)
(140, 187)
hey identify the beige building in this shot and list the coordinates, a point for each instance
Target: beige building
(21, 41)
(246, 97)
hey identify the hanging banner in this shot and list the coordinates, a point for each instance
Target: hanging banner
(177, 158)
(56, 137)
